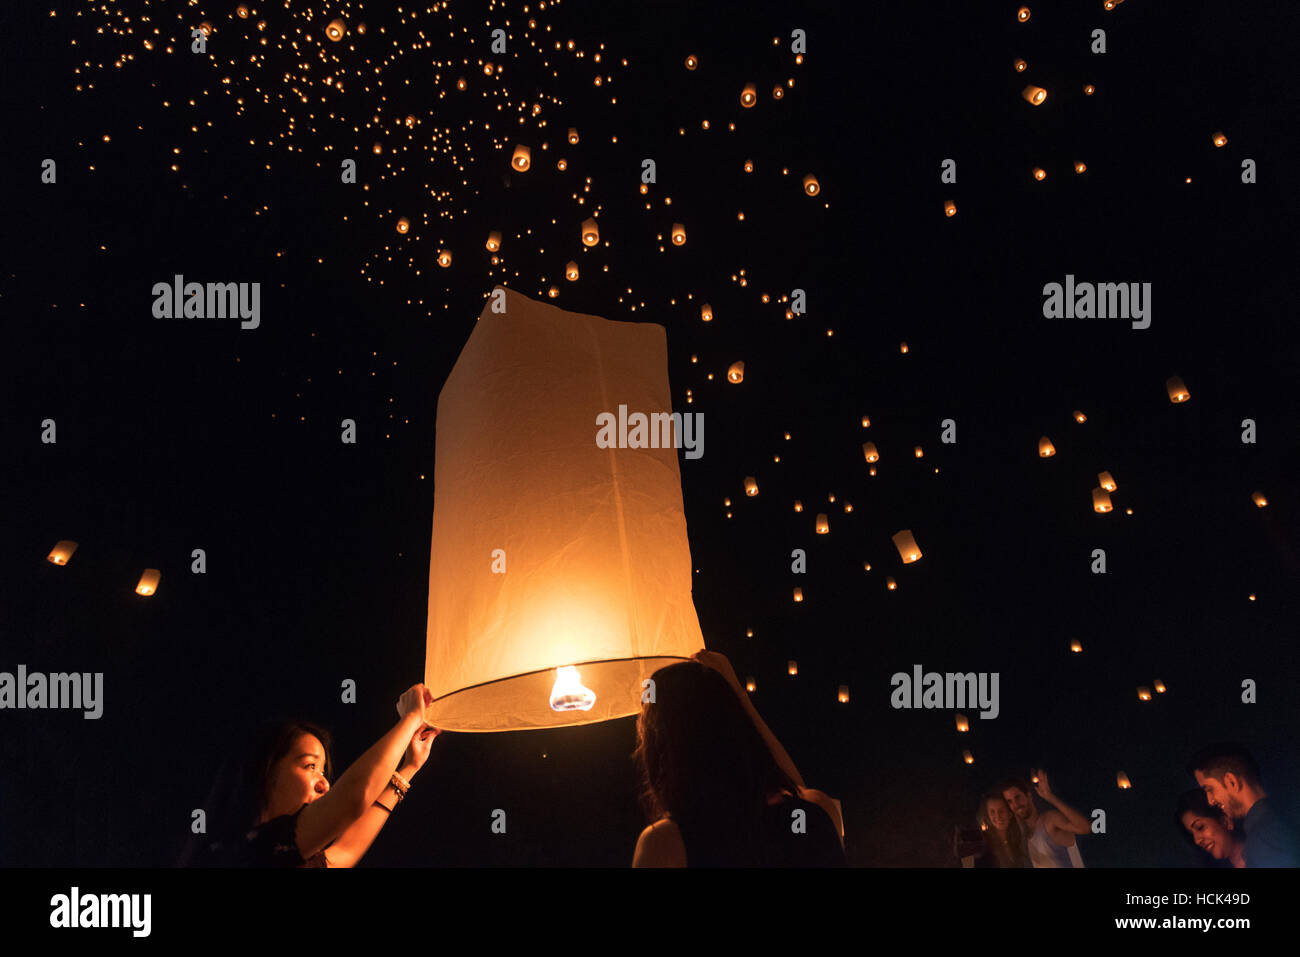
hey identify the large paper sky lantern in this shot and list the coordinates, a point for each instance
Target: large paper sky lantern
(560, 571)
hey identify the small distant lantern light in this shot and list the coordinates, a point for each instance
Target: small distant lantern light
(444, 258)
(692, 62)
(679, 234)
(1159, 686)
(1040, 174)
(1220, 139)
(590, 232)
(1076, 646)
(798, 505)
(522, 158)
(751, 486)
(1177, 391)
(962, 724)
(823, 525)
(1259, 499)
(1080, 417)
(1020, 65)
(843, 696)
(749, 632)
(1022, 14)
(748, 96)
(891, 585)
(1045, 448)
(573, 136)
(1105, 481)
(866, 422)
(1034, 95)
(792, 667)
(798, 594)
(919, 452)
(750, 685)
(949, 208)
(810, 185)
(848, 507)
(1122, 780)
(148, 583)
(968, 757)
(907, 547)
(335, 30)
(778, 91)
(61, 552)
(869, 452)
(1144, 693)
(403, 225)
(749, 166)
(706, 312)
(571, 271)
(736, 373)
(1080, 167)
(1100, 500)
(1089, 89)
(902, 348)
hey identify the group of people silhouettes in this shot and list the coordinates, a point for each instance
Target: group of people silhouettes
(1229, 816)
(718, 788)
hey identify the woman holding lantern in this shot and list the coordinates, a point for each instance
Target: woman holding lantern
(719, 787)
(281, 811)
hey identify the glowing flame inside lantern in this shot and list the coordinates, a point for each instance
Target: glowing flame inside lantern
(569, 694)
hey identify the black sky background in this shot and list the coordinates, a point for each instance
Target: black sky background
(182, 434)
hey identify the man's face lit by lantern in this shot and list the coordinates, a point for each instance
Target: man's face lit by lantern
(1019, 803)
(1224, 794)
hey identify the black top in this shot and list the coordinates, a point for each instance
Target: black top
(1270, 839)
(272, 844)
(776, 840)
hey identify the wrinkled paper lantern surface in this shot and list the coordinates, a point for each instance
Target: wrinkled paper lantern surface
(597, 563)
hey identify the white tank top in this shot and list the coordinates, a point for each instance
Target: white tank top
(1045, 852)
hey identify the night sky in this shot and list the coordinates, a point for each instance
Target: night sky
(175, 434)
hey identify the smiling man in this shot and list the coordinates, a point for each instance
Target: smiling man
(1230, 778)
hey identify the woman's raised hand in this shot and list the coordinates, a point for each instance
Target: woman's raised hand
(719, 663)
(413, 701)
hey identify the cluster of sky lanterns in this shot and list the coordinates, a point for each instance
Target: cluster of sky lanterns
(61, 554)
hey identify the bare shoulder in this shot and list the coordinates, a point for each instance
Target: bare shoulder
(660, 845)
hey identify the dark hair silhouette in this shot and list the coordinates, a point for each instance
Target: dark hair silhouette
(702, 760)
(242, 789)
(1216, 760)
(1019, 784)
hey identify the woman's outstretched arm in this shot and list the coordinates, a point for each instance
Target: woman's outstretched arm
(323, 820)
(720, 664)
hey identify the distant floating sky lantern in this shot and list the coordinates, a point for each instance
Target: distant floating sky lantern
(798, 505)
(148, 583)
(1122, 780)
(61, 552)
(749, 166)
(843, 695)
(692, 62)
(1080, 167)
(1111, 4)
(1022, 14)
(906, 545)
(1159, 686)
(1034, 95)
(792, 667)
(1100, 500)
(749, 632)
(590, 232)
(902, 348)
(553, 292)
(798, 594)
(493, 241)
(1080, 417)
(748, 96)
(571, 271)
(679, 234)
(1020, 65)
(848, 507)
(1040, 174)
(810, 185)
(403, 224)
(726, 502)
(1045, 448)
(778, 91)
(1259, 499)
(1076, 646)
(968, 757)
(1105, 481)
(866, 422)
(335, 30)
(823, 525)
(1144, 693)
(919, 452)
(1089, 89)
(890, 584)
(736, 372)
(1177, 391)
(1220, 139)
(444, 258)
(962, 724)
(751, 486)
(750, 685)
(573, 135)
(949, 208)
(706, 313)
(613, 607)
(869, 452)
(522, 158)
(377, 148)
